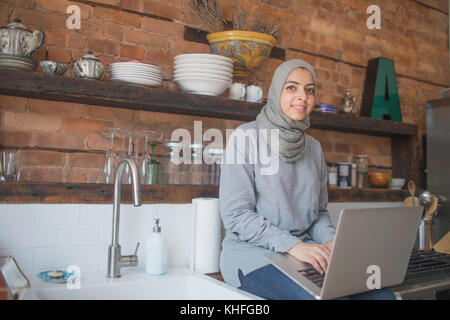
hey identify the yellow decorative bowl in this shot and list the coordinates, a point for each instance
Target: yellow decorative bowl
(248, 49)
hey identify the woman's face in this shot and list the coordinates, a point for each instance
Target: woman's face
(298, 94)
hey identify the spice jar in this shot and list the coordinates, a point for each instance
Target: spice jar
(362, 170)
(332, 175)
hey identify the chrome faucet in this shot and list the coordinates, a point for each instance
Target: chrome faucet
(115, 260)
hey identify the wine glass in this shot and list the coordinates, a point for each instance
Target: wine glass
(107, 173)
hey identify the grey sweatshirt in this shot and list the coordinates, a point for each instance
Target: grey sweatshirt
(265, 213)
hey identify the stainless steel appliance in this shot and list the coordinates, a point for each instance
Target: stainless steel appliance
(428, 275)
(438, 159)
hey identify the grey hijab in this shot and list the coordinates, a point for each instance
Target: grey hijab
(292, 144)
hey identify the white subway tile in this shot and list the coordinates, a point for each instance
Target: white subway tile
(127, 233)
(79, 235)
(33, 237)
(50, 214)
(93, 255)
(170, 213)
(17, 214)
(146, 213)
(129, 213)
(23, 257)
(5, 237)
(56, 257)
(95, 213)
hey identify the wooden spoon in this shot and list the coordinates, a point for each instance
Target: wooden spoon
(412, 200)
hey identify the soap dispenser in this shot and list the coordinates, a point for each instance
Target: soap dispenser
(156, 252)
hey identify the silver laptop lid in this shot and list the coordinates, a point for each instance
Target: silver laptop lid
(368, 241)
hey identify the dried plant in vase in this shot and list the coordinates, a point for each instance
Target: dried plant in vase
(250, 41)
(210, 12)
(244, 20)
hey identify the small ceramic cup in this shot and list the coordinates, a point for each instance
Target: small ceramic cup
(254, 93)
(237, 91)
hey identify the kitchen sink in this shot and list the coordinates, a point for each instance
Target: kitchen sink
(177, 284)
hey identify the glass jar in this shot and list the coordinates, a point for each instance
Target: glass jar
(196, 167)
(362, 170)
(362, 163)
(332, 175)
(213, 158)
(174, 163)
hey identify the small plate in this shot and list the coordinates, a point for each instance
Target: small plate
(44, 276)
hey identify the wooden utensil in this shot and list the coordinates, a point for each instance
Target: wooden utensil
(412, 200)
(431, 210)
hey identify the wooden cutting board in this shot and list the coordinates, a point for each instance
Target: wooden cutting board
(443, 245)
(411, 201)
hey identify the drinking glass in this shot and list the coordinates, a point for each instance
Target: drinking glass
(10, 165)
(107, 174)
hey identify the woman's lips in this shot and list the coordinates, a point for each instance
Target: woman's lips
(298, 108)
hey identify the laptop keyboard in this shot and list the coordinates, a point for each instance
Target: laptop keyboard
(313, 275)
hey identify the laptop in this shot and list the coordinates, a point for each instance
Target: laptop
(371, 250)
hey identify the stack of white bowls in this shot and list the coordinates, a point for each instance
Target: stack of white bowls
(136, 73)
(208, 74)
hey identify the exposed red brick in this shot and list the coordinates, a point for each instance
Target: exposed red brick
(60, 141)
(43, 174)
(15, 138)
(87, 160)
(42, 158)
(30, 122)
(62, 109)
(85, 125)
(15, 104)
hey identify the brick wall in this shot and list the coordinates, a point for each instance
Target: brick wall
(61, 140)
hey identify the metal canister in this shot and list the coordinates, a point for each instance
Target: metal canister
(344, 174)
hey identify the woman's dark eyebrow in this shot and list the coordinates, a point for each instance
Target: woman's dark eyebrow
(298, 83)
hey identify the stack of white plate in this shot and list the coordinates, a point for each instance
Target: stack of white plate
(208, 74)
(136, 73)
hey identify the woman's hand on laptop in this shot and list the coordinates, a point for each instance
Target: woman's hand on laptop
(329, 244)
(317, 255)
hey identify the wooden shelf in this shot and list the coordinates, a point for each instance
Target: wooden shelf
(112, 94)
(89, 193)
(117, 95)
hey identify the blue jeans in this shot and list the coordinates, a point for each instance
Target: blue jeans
(270, 283)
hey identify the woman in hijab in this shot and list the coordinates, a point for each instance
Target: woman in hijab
(280, 205)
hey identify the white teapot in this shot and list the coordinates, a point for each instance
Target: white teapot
(19, 46)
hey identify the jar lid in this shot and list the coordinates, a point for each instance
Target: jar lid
(332, 164)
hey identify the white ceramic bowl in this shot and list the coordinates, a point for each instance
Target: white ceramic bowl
(204, 60)
(198, 75)
(204, 71)
(202, 66)
(211, 87)
(397, 183)
(203, 56)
